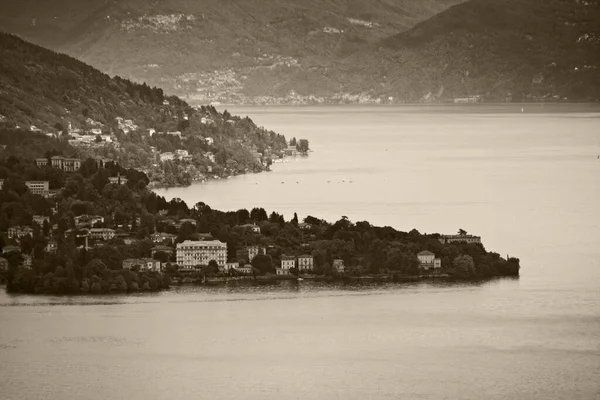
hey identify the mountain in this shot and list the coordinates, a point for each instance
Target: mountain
(132, 124)
(498, 49)
(337, 51)
(229, 51)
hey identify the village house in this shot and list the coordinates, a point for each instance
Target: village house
(1, 183)
(305, 262)
(210, 156)
(290, 151)
(182, 154)
(304, 226)
(142, 264)
(187, 221)
(52, 246)
(101, 233)
(129, 240)
(192, 254)
(231, 265)
(17, 232)
(66, 164)
(338, 265)
(245, 269)
(253, 251)
(41, 188)
(461, 237)
(167, 157)
(287, 263)
(428, 261)
(41, 162)
(39, 219)
(27, 261)
(118, 180)
(253, 227)
(175, 133)
(88, 220)
(160, 237)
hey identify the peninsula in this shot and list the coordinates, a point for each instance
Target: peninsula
(99, 229)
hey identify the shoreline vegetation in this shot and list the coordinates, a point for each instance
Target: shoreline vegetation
(94, 234)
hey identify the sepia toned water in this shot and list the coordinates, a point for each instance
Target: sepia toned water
(527, 182)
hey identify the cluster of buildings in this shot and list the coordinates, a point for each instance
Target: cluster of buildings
(126, 125)
(192, 254)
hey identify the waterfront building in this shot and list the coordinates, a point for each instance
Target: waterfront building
(245, 269)
(281, 271)
(288, 262)
(446, 239)
(305, 262)
(142, 264)
(192, 254)
(41, 188)
(427, 260)
(231, 265)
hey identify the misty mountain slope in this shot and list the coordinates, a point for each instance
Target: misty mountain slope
(519, 49)
(214, 48)
(43, 88)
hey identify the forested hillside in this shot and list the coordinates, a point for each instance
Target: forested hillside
(233, 51)
(135, 125)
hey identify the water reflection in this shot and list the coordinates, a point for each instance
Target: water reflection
(252, 290)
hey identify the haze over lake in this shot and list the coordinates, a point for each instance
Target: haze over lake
(527, 182)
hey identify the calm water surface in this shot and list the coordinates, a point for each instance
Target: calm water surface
(528, 183)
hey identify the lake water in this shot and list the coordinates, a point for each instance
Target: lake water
(528, 183)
